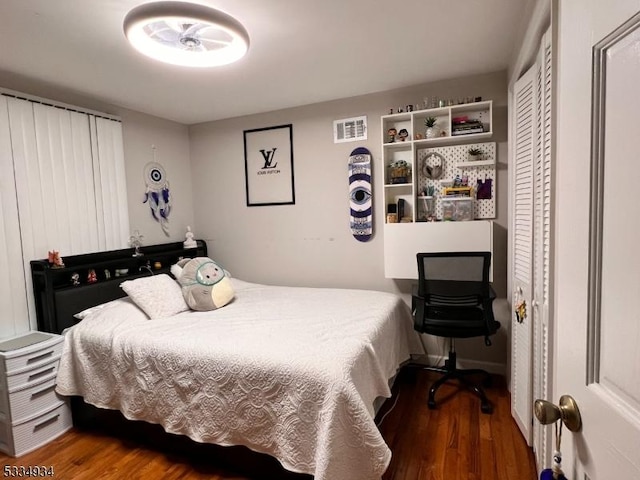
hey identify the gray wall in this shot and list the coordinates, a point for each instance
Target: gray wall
(310, 243)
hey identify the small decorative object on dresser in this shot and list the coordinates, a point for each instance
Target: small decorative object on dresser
(55, 260)
(135, 241)
(32, 413)
(189, 241)
(91, 276)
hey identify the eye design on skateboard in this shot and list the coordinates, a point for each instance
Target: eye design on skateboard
(360, 196)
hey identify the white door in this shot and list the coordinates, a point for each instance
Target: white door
(542, 253)
(597, 321)
(522, 181)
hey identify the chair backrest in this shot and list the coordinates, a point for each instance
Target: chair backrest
(467, 269)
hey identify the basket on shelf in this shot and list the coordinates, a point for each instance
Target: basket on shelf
(399, 172)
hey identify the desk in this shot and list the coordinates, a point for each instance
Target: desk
(402, 241)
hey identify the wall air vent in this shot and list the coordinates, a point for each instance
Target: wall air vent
(350, 129)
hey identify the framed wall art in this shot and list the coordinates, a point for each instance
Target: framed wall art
(268, 163)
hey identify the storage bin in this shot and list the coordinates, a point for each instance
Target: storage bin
(457, 209)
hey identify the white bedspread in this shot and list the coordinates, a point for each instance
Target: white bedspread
(291, 372)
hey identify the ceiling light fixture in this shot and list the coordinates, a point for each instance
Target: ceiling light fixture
(186, 34)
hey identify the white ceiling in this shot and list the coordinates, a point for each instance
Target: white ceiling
(302, 52)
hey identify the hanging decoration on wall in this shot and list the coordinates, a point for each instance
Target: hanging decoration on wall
(433, 166)
(157, 192)
(361, 218)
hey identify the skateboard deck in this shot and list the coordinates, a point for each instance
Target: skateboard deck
(361, 218)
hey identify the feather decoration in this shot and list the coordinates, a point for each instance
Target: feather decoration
(157, 193)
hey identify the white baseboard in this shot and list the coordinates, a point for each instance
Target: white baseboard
(491, 367)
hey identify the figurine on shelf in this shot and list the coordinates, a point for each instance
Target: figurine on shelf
(135, 241)
(55, 260)
(75, 279)
(403, 134)
(92, 277)
(392, 132)
(189, 241)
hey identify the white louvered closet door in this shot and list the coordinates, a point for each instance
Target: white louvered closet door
(522, 178)
(542, 249)
(13, 295)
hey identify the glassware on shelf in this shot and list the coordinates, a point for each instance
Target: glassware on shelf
(428, 213)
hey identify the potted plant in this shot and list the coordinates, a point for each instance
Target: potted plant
(430, 123)
(475, 153)
(399, 172)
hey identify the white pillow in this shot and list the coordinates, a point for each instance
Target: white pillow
(158, 296)
(88, 311)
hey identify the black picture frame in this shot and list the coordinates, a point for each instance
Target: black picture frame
(268, 166)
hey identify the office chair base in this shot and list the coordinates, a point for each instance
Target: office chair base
(450, 372)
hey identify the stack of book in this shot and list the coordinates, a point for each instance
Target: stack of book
(465, 126)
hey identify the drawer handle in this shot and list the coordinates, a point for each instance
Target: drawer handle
(43, 391)
(46, 422)
(39, 357)
(40, 374)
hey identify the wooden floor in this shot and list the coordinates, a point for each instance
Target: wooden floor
(455, 441)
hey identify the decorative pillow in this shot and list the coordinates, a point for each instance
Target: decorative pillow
(158, 296)
(88, 311)
(205, 284)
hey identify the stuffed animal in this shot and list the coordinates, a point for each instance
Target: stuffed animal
(205, 284)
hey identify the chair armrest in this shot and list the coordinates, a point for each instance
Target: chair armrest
(417, 310)
(492, 293)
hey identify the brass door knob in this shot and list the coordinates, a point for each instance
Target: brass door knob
(567, 411)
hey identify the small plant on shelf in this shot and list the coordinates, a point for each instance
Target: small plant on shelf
(399, 172)
(430, 123)
(475, 154)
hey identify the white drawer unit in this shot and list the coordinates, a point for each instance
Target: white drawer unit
(31, 412)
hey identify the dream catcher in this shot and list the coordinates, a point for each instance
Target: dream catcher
(433, 166)
(157, 193)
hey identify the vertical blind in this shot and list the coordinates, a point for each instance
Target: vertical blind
(13, 294)
(65, 191)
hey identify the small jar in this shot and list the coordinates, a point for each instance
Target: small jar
(157, 265)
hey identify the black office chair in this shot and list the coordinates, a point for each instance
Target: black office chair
(454, 300)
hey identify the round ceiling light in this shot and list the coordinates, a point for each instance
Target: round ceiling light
(186, 34)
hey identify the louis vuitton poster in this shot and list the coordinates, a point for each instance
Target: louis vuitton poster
(268, 163)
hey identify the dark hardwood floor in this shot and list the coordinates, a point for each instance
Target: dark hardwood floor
(455, 441)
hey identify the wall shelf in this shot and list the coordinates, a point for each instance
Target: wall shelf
(407, 150)
(476, 163)
(411, 234)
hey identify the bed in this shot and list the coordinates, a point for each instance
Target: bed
(288, 371)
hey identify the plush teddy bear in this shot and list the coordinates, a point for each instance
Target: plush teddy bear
(205, 284)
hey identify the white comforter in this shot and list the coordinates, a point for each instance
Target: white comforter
(291, 372)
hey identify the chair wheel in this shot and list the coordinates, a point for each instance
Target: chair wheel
(431, 404)
(486, 408)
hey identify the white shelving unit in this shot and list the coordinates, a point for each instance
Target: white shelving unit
(413, 122)
(410, 235)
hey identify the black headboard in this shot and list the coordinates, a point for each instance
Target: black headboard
(57, 299)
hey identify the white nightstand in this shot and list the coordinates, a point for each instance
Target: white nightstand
(31, 412)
